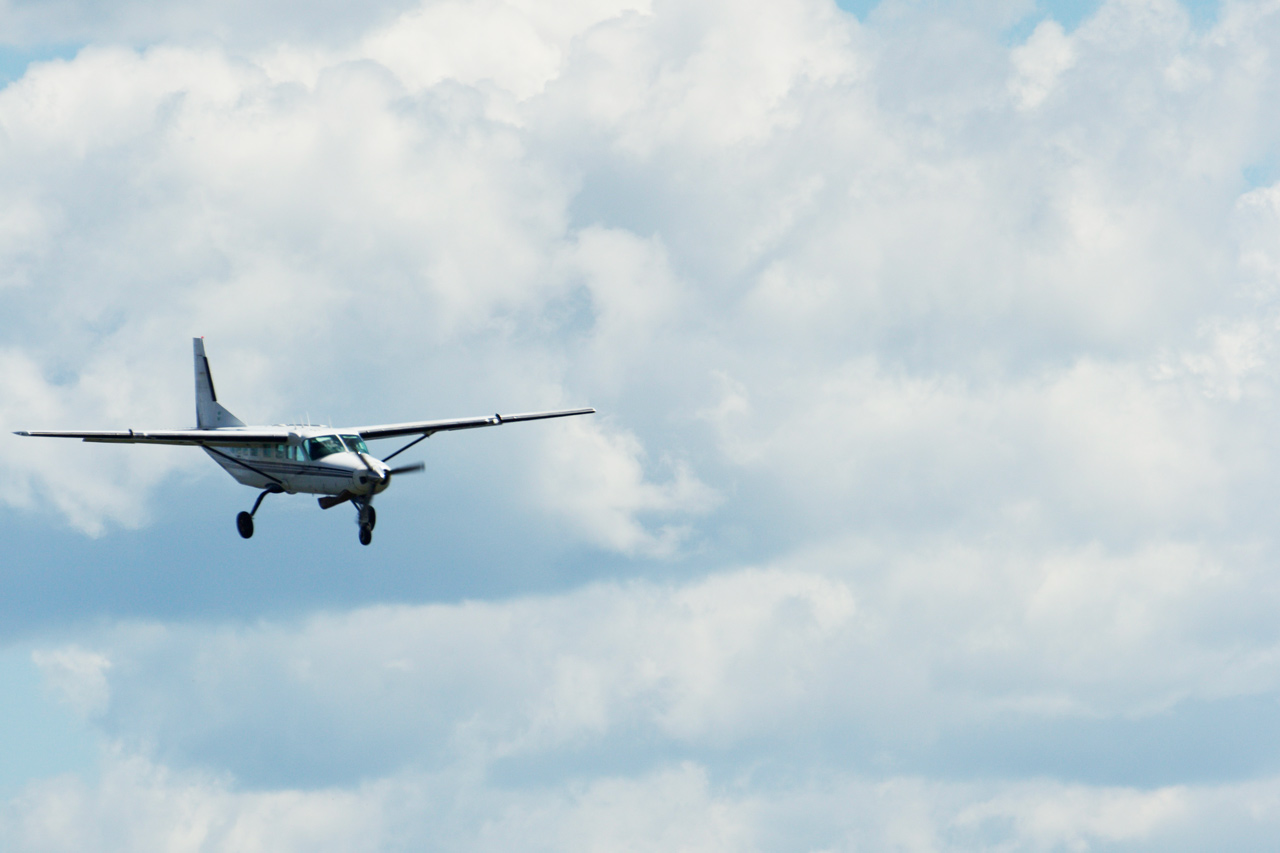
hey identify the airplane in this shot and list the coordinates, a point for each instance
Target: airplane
(291, 458)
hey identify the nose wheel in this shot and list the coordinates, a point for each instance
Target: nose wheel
(367, 519)
(244, 521)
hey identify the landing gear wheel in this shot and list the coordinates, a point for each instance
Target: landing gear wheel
(371, 520)
(244, 523)
(366, 534)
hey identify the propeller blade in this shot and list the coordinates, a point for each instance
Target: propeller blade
(407, 469)
(364, 457)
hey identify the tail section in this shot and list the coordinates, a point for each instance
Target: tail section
(209, 412)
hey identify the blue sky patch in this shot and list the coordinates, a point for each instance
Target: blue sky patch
(15, 60)
(41, 736)
(1069, 13)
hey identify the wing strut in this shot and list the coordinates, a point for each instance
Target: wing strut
(407, 446)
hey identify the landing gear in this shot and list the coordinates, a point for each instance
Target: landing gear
(367, 519)
(244, 521)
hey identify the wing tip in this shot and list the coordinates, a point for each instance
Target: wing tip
(21, 432)
(538, 416)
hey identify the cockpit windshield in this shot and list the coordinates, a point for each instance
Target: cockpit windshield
(355, 444)
(318, 448)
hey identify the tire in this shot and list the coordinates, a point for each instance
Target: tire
(366, 534)
(244, 523)
(372, 520)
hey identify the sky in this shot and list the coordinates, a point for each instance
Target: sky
(930, 503)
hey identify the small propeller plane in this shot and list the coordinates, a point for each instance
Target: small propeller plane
(292, 458)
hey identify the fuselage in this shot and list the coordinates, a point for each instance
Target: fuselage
(315, 460)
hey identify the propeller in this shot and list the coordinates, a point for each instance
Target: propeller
(384, 478)
(330, 501)
(381, 478)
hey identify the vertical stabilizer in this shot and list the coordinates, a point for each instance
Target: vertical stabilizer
(209, 412)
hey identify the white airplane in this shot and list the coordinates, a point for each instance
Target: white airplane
(292, 458)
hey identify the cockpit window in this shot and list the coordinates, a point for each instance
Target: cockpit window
(318, 448)
(355, 444)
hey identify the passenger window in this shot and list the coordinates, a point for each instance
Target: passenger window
(253, 451)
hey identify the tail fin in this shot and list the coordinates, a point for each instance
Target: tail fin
(209, 412)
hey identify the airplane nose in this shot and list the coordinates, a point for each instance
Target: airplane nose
(363, 480)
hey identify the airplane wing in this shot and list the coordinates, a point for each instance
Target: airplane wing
(425, 428)
(229, 436)
(216, 437)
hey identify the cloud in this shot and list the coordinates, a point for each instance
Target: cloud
(799, 688)
(240, 25)
(858, 652)
(597, 480)
(1101, 449)
(139, 803)
(517, 48)
(475, 680)
(57, 473)
(78, 675)
(1039, 62)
